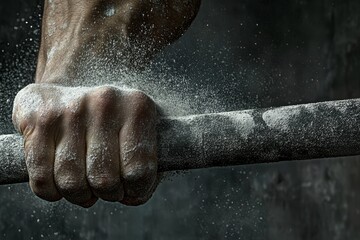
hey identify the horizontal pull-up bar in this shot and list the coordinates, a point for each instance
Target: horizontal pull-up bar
(308, 131)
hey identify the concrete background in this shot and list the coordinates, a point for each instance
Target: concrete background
(236, 55)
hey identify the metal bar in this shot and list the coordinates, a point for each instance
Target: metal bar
(308, 131)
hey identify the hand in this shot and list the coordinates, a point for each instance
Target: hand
(88, 143)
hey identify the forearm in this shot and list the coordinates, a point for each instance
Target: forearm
(78, 34)
(75, 31)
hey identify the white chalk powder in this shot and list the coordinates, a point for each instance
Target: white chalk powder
(243, 122)
(279, 119)
(110, 11)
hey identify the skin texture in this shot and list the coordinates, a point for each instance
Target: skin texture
(138, 29)
(83, 144)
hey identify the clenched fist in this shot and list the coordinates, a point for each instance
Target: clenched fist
(88, 143)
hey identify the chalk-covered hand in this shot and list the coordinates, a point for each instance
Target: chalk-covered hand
(88, 143)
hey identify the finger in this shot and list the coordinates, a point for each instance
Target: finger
(39, 155)
(103, 168)
(138, 157)
(70, 161)
(138, 200)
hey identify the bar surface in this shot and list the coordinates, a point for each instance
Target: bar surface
(299, 132)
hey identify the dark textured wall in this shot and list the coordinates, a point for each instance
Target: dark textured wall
(248, 54)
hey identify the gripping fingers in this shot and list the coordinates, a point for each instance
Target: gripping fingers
(39, 155)
(70, 165)
(138, 165)
(100, 143)
(103, 172)
(138, 157)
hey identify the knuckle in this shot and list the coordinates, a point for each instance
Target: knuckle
(141, 99)
(103, 183)
(28, 99)
(143, 106)
(25, 106)
(73, 113)
(104, 97)
(25, 92)
(103, 102)
(47, 117)
(31, 88)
